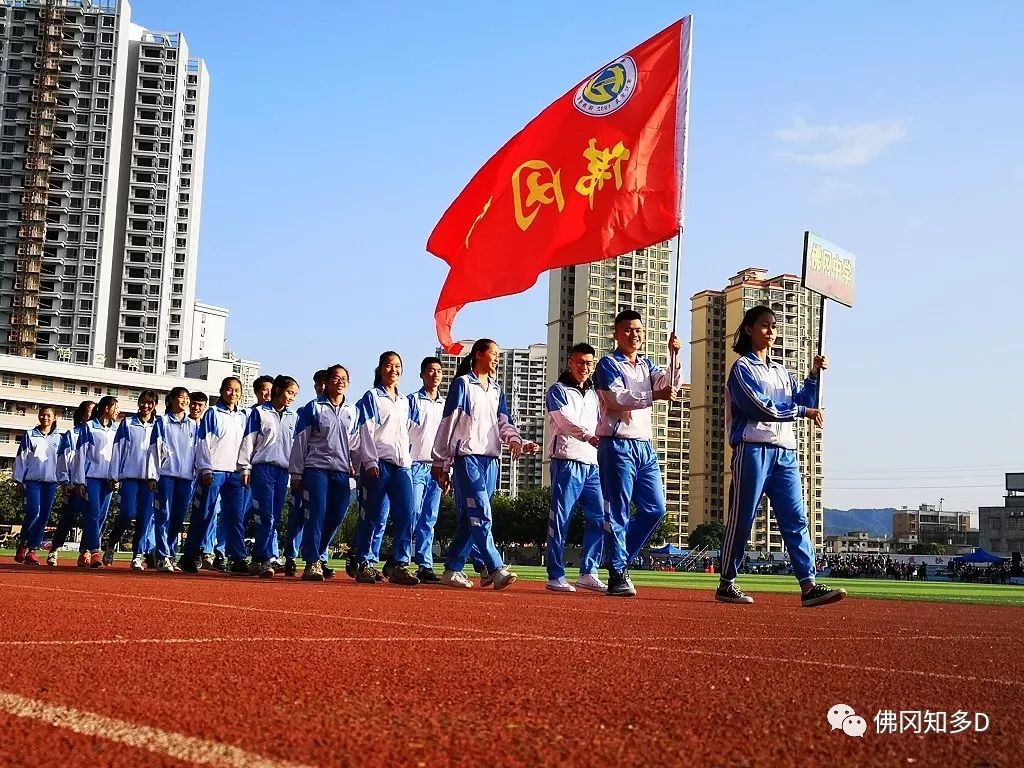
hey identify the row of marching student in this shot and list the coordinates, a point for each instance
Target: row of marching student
(235, 466)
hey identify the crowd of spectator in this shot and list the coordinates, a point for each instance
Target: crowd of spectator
(849, 566)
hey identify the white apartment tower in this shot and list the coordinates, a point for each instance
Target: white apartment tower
(582, 304)
(522, 376)
(101, 166)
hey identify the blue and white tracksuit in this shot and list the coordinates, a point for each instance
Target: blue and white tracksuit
(572, 423)
(71, 510)
(264, 455)
(323, 453)
(475, 423)
(90, 467)
(384, 445)
(762, 401)
(629, 465)
(218, 439)
(172, 463)
(426, 493)
(36, 468)
(129, 466)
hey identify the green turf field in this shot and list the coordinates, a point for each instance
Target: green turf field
(934, 591)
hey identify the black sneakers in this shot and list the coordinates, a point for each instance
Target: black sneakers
(239, 568)
(327, 572)
(366, 574)
(427, 576)
(731, 594)
(400, 574)
(819, 594)
(620, 585)
(189, 564)
(351, 567)
(290, 568)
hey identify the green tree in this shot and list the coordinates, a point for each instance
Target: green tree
(444, 529)
(11, 503)
(927, 548)
(708, 535)
(530, 511)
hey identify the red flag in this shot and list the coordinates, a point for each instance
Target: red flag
(598, 173)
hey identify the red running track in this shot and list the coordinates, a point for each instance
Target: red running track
(114, 668)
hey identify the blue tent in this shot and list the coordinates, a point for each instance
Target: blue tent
(669, 549)
(979, 555)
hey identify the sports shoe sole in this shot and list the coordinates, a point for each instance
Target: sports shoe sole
(506, 582)
(565, 588)
(598, 590)
(734, 600)
(831, 597)
(621, 593)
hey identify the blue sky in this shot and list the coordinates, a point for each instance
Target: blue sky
(339, 135)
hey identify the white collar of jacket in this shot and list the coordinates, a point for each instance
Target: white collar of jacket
(268, 406)
(135, 421)
(567, 380)
(170, 417)
(37, 432)
(474, 379)
(421, 393)
(620, 357)
(224, 409)
(322, 400)
(767, 363)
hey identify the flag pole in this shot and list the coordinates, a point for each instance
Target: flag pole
(675, 291)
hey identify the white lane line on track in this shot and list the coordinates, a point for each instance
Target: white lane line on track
(268, 639)
(630, 642)
(535, 638)
(188, 749)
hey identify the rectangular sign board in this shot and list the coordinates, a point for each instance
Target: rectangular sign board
(828, 269)
(1015, 481)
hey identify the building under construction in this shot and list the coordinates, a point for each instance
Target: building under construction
(102, 137)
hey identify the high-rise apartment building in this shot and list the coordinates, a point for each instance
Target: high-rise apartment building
(156, 251)
(582, 304)
(102, 136)
(521, 375)
(715, 316)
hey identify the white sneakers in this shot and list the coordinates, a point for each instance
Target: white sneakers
(587, 581)
(500, 578)
(138, 563)
(165, 565)
(456, 579)
(591, 582)
(51, 559)
(503, 577)
(560, 585)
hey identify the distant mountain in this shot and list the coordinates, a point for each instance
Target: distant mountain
(877, 522)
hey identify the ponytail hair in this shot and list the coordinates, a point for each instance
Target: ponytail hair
(377, 379)
(467, 363)
(741, 339)
(84, 409)
(281, 383)
(173, 395)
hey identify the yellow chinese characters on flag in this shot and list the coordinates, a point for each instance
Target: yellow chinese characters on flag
(598, 173)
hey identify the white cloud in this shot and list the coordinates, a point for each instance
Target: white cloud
(839, 146)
